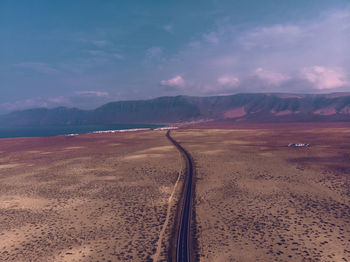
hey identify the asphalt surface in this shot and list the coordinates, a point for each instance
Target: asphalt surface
(183, 235)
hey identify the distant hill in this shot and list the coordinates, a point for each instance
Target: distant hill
(260, 107)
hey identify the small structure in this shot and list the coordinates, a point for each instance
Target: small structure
(298, 145)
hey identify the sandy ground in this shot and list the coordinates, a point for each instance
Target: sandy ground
(101, 197)
(258, 200)
(112, 197)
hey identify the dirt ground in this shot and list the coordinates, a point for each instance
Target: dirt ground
(112, 197)
(259, 200)
(97, 197)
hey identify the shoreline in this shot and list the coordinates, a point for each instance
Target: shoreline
(52, 131)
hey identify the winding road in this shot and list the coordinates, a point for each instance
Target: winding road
(183, 244)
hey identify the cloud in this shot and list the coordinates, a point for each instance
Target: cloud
(276, 54)
(168, 28)
(271, 78)
(92, 59)
(325, 78)
(230, 81)
(176, 81)
(272, 36)
(92, 93)
(58, 100)
(211, 37)
(81, 99)
(274, 58)
(37, 67)
(96, 52)
(33, 103)
(154, 52)
(118, 56)
(100, 43)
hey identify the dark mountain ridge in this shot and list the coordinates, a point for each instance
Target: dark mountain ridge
(259, 107)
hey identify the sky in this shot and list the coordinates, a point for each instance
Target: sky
(85, 53)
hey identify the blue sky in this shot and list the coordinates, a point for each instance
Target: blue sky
(85, 53)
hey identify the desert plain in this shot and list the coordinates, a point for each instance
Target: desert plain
(113, 197)
(95, 197)
(257, 199)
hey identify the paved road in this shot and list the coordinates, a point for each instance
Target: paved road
(183, 235)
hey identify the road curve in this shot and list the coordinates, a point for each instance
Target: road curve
(183, 245)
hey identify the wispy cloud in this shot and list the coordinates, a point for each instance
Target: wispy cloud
(118, 56)
(168, 28)
(272, 36)
(176, 81)
(93, 93)
(227, 80)
(39, 67)
(81, 99)
(100, 43)
(58, 100)
(96, 52)
(305, 56)
(154, 52)
(33, 103)
(211, 37)
(142, 54)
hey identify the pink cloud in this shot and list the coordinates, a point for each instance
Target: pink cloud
(227, 80)
(270, 77)
(176, 81)
(325, 78)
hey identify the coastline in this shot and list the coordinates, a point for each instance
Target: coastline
(48, 131)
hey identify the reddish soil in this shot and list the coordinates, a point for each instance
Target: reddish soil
(102, 197)
(259, 200)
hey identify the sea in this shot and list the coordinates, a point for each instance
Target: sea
(41, 131)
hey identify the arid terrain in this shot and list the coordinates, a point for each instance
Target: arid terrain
(259, 200)
(96, 197)
(113, 197)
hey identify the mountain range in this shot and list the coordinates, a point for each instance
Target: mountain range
(257, 107)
